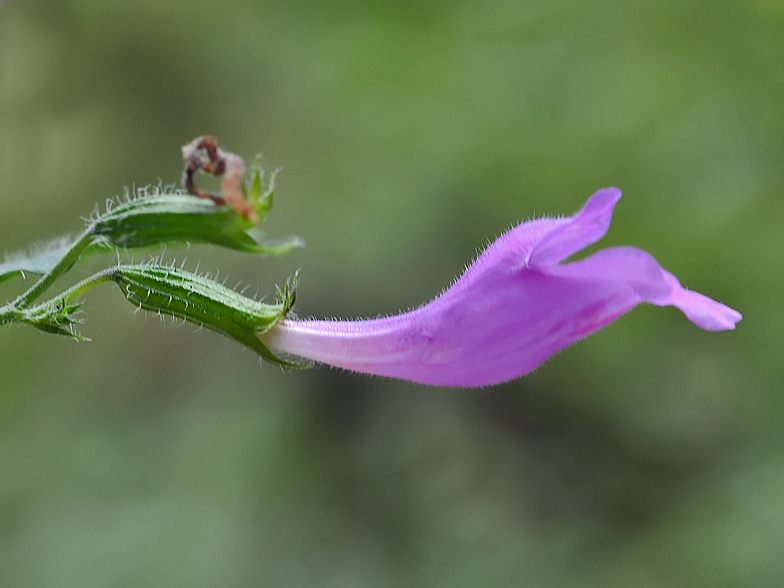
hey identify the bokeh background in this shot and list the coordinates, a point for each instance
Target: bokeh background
(410, 132)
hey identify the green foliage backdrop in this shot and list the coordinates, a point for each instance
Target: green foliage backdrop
(410, 133)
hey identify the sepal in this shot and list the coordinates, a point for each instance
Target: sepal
(177, 217)
(56, 316)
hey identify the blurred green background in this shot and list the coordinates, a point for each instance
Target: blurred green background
(411, 132)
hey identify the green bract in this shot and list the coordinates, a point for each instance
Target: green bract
(54, 316)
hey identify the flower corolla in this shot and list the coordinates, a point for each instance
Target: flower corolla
(514, 307)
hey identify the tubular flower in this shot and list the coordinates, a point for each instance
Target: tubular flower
(514, 307)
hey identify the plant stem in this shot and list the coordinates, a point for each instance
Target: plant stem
(11, 313)
(78, 247)
(87, 284)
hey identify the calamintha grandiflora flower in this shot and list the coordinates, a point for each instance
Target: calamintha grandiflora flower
(514, 307)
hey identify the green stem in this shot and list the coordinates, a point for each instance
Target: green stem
(10, 312)
(7, 314)
(78, 247)
(89, 283)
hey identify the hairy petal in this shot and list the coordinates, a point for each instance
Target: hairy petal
(701, 310)
(514, 307)
(626, 268)
(578, 232)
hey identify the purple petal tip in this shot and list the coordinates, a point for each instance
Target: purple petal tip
(570, 235)
(705, 312)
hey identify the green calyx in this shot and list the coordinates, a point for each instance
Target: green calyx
(175, 216)
(204, 302)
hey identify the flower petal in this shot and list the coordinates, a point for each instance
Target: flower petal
(640, 272)
(514, 307)
(701, 310)
(620, 267)
(499, 324)
(578, 232)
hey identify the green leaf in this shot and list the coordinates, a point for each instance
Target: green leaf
(281, 247)
(39, 261)
(204, 302)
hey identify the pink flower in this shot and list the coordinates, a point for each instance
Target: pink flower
(514, 307)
